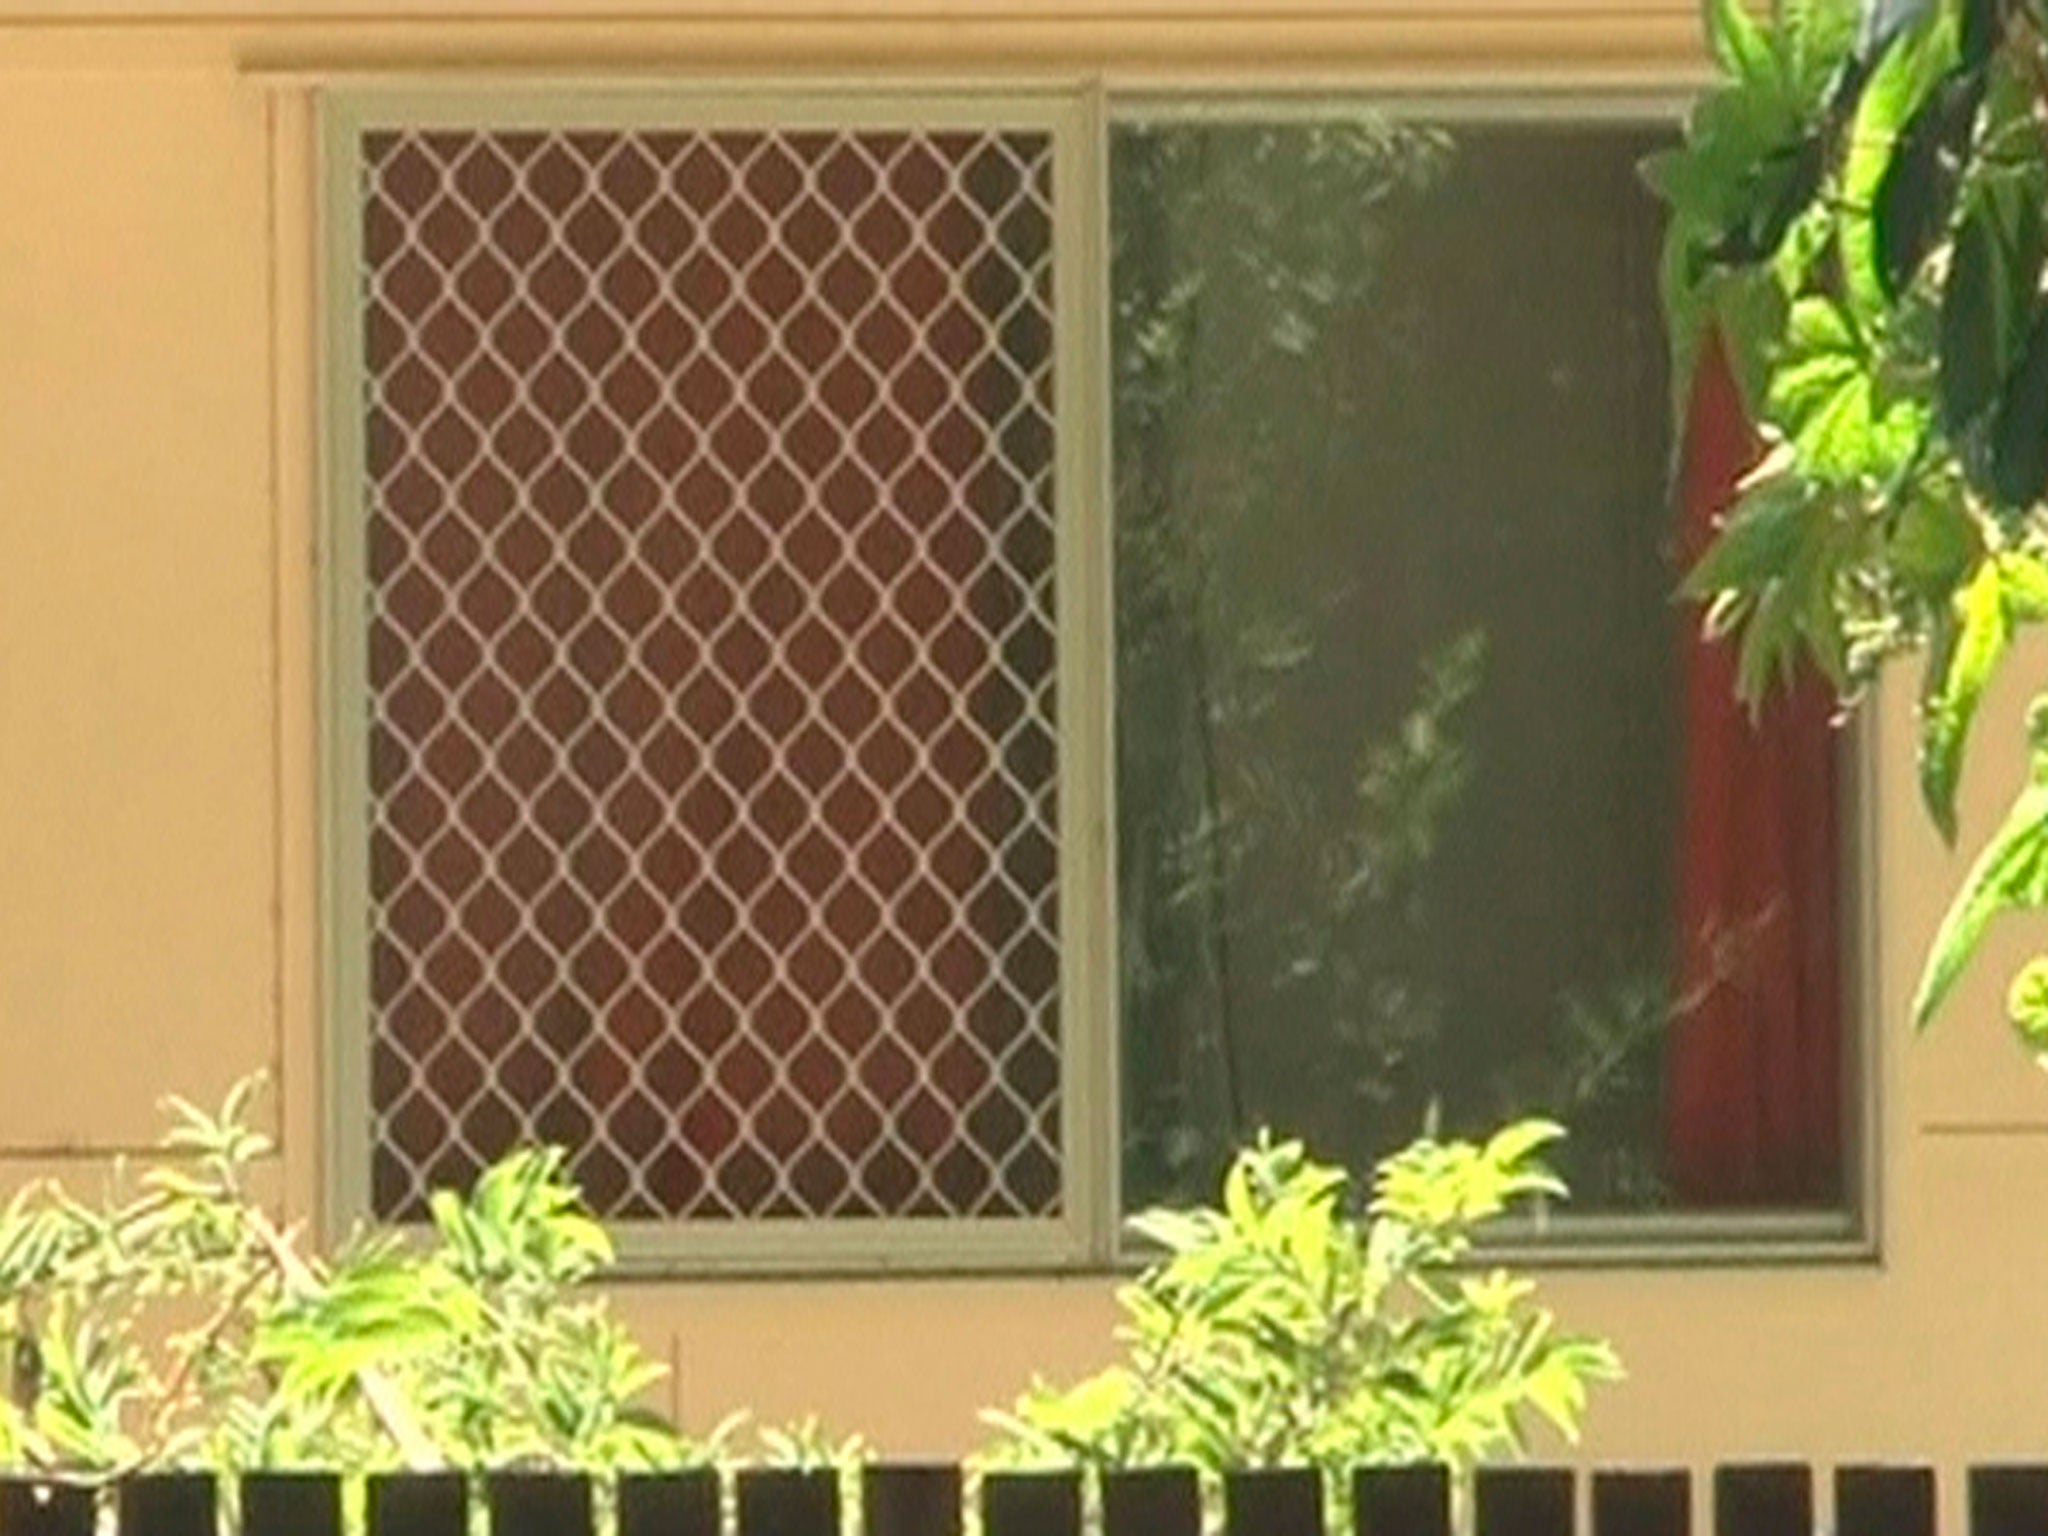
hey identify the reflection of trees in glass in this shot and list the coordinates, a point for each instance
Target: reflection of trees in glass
(1601, 1075)
(1260, 925)
(1299, 734)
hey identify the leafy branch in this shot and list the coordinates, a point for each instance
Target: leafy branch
(1858, 214)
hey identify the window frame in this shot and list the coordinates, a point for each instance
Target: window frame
(1080, 116)
(1064, 1241)
(1848, 1234)
(1851, 1233)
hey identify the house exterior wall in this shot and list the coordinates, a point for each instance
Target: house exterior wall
(159, 658)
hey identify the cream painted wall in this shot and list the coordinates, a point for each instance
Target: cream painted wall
(157, 666)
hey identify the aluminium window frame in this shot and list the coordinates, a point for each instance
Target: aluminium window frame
(1850, 1233)
(1080, 114)
(1073, 1237)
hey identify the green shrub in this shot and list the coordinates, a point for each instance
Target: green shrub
(175, 1323)
(1281, 1330)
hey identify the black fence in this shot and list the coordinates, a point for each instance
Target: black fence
(1750, 1500)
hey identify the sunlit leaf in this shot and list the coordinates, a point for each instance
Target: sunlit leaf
(1958, 670)
(2026, 1005)
(1916, 47)
(2011, 873)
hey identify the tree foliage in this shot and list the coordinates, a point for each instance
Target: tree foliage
(1858, 211)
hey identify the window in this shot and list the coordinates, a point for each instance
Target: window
(741, 506)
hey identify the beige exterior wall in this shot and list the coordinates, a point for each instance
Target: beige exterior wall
(158, 666)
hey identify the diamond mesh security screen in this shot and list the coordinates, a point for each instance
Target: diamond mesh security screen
(711, 654)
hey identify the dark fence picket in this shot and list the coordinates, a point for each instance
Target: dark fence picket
(1884, 1501)
(789, 1501)
(1763, 1499)
(291, 1504)
(417, 1504)
(1523, 1501)
(1642, 1504)
(30, 1508)
(168, 1504)
(1273, 1503)
(898, 1499)
(539, 1504)
(1758, 1499)
(670, 1503)
(1031, 1504)
(1401, 1501)
(2009, 1501)
(1152, 1501)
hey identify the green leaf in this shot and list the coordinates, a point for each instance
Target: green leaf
(1983, 27)
(1751, 310)
(1917, 191)
(1238, 1203)
(1972, 325)
(2011, 873)
(1912, 64)
(1958, 670)
(2025, 580)
(1738, 41)
(1833, 405)
(1770, 577)
(1934, 541)
(1758, 540)
(2011, 170)
(2026, 1005)
(1514, 1145)
(2020, 436)
(1818, 38)
(1776, 192)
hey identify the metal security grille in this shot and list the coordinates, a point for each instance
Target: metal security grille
(710, 666)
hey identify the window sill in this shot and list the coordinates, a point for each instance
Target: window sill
(1736, 1240)
(1745, 1241)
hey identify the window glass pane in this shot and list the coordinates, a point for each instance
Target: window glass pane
(711, 653)
(1431, 809)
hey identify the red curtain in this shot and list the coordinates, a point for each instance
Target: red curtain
(1753, 1068)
